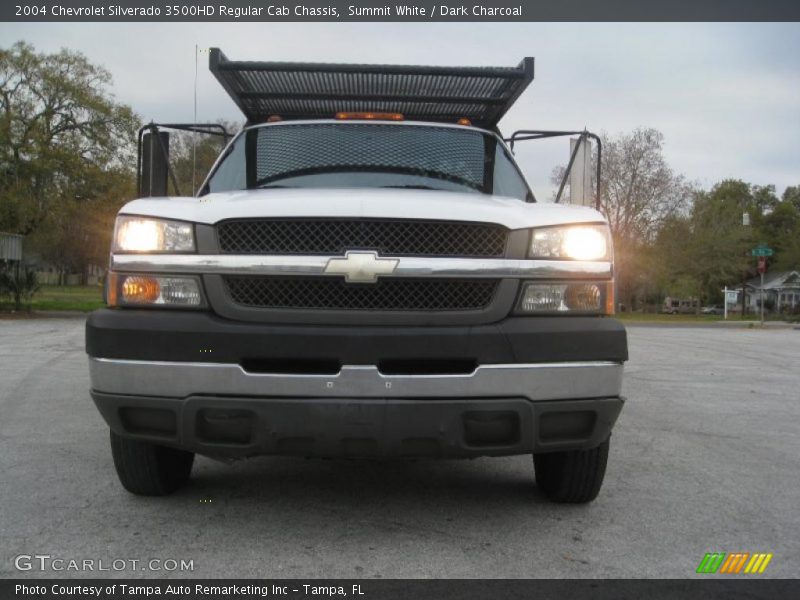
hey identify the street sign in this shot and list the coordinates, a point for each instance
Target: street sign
(762, 251)
(762, 264)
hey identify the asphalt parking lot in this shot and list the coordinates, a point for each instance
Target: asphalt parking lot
(705, 457)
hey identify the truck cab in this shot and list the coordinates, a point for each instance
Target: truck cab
(364, 273)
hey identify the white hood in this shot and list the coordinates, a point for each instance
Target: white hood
(363, 203)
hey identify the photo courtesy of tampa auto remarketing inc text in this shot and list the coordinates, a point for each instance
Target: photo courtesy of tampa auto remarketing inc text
(400, 301)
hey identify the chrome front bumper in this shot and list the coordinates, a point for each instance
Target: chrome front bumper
(176, 378)
(539, 381)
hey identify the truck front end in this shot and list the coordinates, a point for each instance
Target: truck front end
(359, 287)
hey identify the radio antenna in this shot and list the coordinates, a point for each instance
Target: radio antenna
(194, 133)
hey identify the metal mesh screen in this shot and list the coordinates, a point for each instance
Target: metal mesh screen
(324, 293)
(335, 236)
(309, 90)
(455, 153)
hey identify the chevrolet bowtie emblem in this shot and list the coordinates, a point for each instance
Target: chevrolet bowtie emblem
(361, 267)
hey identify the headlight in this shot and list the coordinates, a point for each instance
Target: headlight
(576, 242)
(140, 234)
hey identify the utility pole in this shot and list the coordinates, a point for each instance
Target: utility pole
(745, 223)
(762, 252)
(744, 293)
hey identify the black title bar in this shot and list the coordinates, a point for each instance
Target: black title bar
(398, 589)
(365, 10)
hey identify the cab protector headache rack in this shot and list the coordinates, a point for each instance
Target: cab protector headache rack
(320, 90)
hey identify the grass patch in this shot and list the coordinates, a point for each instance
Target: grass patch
(83, 298)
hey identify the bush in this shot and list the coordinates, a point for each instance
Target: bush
(20, 283)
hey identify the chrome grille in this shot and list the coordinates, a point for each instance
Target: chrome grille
(328, 293)
(388, 237)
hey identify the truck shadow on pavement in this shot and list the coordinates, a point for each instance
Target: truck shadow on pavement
(294, 482)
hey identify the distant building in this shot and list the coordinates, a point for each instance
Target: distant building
(10, 247)
(781, 292)
(50, 274)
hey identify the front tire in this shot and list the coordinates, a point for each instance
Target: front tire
(147, 469)
(572, 477)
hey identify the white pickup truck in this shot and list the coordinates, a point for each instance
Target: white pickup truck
(364, 273)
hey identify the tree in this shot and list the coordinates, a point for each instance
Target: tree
(669, 264)
(67, 154)
(77, 232)
(709, 249)
(781, 231)
(717, 250)
(61, 131)
(19, 282)
(639, 193)
(792, 195)
(639, 190)
(191, 164)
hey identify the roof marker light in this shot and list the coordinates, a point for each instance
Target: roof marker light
(369, 116)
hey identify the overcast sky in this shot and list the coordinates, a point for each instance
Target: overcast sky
(726, 96)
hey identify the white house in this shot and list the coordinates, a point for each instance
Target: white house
(781, 292)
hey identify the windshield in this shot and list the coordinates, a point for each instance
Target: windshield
(318, 155)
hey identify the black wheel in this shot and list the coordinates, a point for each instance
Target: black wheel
(575, 476)
(147, 469)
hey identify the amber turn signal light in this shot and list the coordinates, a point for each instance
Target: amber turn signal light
(140, 290)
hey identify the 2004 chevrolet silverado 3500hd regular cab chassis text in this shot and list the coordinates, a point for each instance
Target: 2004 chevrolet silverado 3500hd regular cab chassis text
(363, 273)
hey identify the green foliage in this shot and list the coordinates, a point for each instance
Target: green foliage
(20, 283)
(706, 250)
(719, 244)
(792, 195)
(781, 231)
(66, 149)
(68, 156)
(78, 232)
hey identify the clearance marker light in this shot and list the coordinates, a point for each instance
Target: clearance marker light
(369, 116)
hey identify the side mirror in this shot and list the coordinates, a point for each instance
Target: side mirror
(153, 175)
(578, 171)
(580, 175)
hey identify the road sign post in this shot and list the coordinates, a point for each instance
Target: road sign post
(725, 304)
(762, 252)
